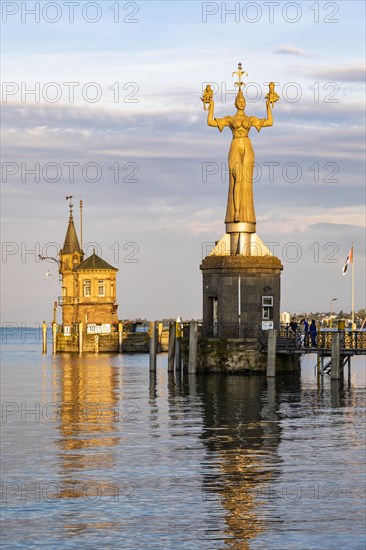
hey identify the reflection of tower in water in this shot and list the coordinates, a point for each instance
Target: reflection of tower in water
(241, 433)
(87, 394)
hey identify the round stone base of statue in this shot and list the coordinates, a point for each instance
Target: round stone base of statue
(240, 227)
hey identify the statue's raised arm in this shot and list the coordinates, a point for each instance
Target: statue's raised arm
(260, 123)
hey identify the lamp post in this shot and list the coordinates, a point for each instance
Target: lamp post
(330, 312)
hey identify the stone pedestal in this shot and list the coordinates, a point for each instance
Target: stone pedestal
(240, 293)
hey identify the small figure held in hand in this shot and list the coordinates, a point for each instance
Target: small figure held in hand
(207, 96)
(272, 96)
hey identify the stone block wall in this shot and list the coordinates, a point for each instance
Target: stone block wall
(256, 276)
(133, 342)
(236, 356)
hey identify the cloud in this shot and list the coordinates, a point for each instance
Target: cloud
(288, 49)
(180, 211)
(342, 73)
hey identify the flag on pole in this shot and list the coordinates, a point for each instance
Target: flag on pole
(349, 260)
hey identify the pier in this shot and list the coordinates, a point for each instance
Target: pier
(196, 348)
(334, 348)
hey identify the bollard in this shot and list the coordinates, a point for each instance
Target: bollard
(171, 350)
(44, 337)
(80, 338)
(193, 337)
(336, 356)
(54, 338)
(153, 346)
(271, 353)
(120, 336)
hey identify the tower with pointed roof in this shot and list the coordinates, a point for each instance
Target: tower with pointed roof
(88, 286)
(71, 254)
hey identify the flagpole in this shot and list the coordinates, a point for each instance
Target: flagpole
(353, 288)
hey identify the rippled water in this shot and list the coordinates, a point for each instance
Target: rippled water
(98, 454)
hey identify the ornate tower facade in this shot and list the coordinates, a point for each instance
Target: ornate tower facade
(88, 286)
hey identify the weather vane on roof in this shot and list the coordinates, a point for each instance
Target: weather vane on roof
(69, 198)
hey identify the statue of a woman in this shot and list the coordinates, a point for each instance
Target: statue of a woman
(240, 204)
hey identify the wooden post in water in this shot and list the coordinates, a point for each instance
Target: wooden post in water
(96, 343)
(271, 353)
(153, 346)
(44, 337)
(54, 338)
(178, 352)
(336, 356)
(120, 336)
(80, 342)
(193, 337)
(271, 399)
(318, 364)
(160, 332)
(171, 350)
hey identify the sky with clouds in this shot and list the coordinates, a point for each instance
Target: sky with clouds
(101, 100)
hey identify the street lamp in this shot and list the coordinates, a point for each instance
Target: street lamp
(330, 311)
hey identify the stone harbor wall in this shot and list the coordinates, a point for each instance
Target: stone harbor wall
(236, 356)
(132, 342)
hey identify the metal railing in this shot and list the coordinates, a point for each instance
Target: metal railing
(350, 340)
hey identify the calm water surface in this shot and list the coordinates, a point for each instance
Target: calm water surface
(98, 454)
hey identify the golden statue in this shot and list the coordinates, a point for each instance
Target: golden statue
(240, 205)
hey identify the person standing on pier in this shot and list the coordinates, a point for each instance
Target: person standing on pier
(306, 330)
(313, 332)
(304, 327)
(293, 325)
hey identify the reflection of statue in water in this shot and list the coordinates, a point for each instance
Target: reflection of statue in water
(241, 429)
(240, 206)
